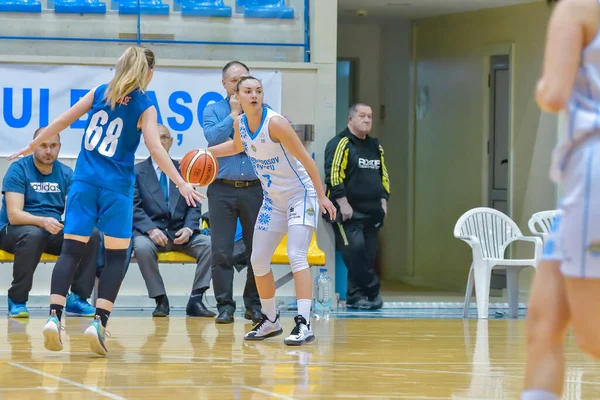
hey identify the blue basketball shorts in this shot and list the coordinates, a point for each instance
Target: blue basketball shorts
(90, 206)
(574, 240)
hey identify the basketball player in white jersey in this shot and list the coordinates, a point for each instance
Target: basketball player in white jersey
(293, 194)
(566, 289)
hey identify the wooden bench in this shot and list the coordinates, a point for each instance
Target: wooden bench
(316, 257)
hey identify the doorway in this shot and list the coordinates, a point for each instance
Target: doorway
(499, 143)
(346, 85)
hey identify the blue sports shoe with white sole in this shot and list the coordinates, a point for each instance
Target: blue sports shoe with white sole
(51, 332)
(78, 307)
(96, 335)
(17, 310)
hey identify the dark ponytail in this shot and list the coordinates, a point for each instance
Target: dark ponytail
(551, 2)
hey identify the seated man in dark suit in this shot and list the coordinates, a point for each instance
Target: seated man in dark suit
(162, 221)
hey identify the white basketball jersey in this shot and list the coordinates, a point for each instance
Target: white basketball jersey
(583, 111)
(280, 173)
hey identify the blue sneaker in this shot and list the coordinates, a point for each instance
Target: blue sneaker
(78, 307)
(17, 310)
(51, 332)
(95, 335)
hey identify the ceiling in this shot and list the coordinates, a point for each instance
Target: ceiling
(386, 10)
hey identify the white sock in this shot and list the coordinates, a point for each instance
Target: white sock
(268, 308)
(535, 394)
(304, 308)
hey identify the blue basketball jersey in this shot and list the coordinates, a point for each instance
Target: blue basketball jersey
(109, 142)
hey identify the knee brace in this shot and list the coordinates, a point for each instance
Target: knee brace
(66, 266)
(112, 276)
(261, 265)
(298, 260)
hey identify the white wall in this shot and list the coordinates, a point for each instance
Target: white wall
(395, 95)
(363, 42)
(437, 165)
(308, 98)
(383, 54)
(449, 141)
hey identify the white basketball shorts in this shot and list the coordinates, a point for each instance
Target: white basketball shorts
(276, 214)
(575, 236)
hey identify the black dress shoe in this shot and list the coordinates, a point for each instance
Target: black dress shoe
(195, 308)
(225, 317)
(162, 308)
(361, 303)
(255, 315)
(376, 302)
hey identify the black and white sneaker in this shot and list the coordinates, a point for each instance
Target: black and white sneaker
(302, 333)
(264, 329)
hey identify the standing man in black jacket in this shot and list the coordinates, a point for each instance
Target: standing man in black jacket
(357, 180)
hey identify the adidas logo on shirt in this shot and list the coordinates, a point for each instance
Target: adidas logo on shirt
(45, 187)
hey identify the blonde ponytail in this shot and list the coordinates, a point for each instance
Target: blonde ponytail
(131, 73)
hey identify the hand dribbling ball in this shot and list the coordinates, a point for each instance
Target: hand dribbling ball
(198, 166)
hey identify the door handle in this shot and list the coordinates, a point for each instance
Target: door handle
(505, 161)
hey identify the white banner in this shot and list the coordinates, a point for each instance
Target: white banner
(33, 95)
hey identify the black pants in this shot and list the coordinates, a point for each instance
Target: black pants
(27, 243)
(357, 241)
(226, 203)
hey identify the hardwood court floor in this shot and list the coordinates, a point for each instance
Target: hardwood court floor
(352, 358)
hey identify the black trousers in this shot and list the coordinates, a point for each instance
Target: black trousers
(27, 243)
(357, 242)
(226, 203)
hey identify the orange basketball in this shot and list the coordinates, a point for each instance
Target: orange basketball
(199, 166)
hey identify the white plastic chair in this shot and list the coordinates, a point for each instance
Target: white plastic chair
(544, 220)
(489, 232)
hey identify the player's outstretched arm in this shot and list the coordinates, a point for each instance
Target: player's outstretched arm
(562, 56)
(59, 124)
(159, 154)
(281, 130)
(230, 147)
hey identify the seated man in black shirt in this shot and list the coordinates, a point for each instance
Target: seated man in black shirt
(35, 188)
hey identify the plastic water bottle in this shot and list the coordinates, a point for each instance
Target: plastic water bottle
(322, 295)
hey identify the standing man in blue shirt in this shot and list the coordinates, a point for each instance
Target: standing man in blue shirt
(35, 188)
(235, 193)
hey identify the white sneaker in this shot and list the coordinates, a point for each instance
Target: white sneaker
(51, 332)
(96, 335)
(302, 333)
(265, 329)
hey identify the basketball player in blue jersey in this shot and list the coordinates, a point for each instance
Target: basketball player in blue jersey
(293, 194)
(102, 190)
(566, 288)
